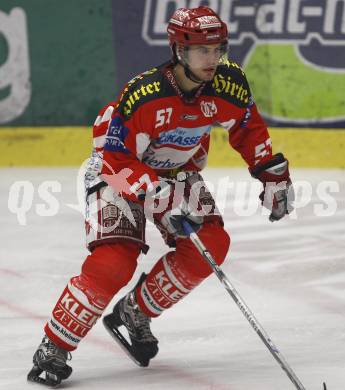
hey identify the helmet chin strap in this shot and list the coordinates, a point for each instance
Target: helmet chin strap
(187, 71)
(189, 74)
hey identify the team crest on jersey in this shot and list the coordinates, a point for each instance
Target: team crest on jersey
(209, 109)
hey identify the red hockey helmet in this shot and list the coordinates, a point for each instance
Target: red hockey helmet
(196, 26)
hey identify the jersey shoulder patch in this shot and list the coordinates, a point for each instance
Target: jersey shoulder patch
(230, 83)
(145, 87)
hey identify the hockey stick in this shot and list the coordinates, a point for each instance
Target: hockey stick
(242, 305)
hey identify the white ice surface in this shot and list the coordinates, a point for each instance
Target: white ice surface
(290, 273)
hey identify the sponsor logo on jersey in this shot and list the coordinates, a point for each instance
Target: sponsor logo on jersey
(163, 164)
(116, 136)
(141, 76)
(227, 86)
(133, 96)
(183, 136)
(187, 117)
(209, 109)
(180, 140)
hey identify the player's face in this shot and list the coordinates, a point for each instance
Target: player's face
(204, 59)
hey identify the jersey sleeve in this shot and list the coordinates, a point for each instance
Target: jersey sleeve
(248, 133)
(125, 141)
(251, 138)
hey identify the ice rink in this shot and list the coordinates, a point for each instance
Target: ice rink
(290, 273)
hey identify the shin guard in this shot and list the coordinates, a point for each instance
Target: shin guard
(104, 272)
(74, 314)
(177, 273)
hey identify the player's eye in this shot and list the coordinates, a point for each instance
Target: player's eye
(202, 50)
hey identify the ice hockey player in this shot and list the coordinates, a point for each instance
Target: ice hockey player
(149, 147)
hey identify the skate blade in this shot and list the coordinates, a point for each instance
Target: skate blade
(50, 380)
(123, 343)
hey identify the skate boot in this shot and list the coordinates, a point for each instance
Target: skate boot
(143, 346)
(50, 360)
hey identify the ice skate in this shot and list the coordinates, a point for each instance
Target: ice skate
(50, 360)
(143, 346)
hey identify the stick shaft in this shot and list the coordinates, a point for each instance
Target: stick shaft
(242, 306)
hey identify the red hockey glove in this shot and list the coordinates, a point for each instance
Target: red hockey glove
(167, 206)
(278, 194)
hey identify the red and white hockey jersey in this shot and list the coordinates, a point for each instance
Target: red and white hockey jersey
(154, 129)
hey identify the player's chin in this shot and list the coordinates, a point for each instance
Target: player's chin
(208, 74)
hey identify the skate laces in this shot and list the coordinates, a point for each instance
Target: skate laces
(53, 349)
(141, 321)
(143, 326)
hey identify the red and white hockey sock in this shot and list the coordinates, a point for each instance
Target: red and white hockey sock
(105, 271)
(164, 286)
(75, 313)
(176, 274)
